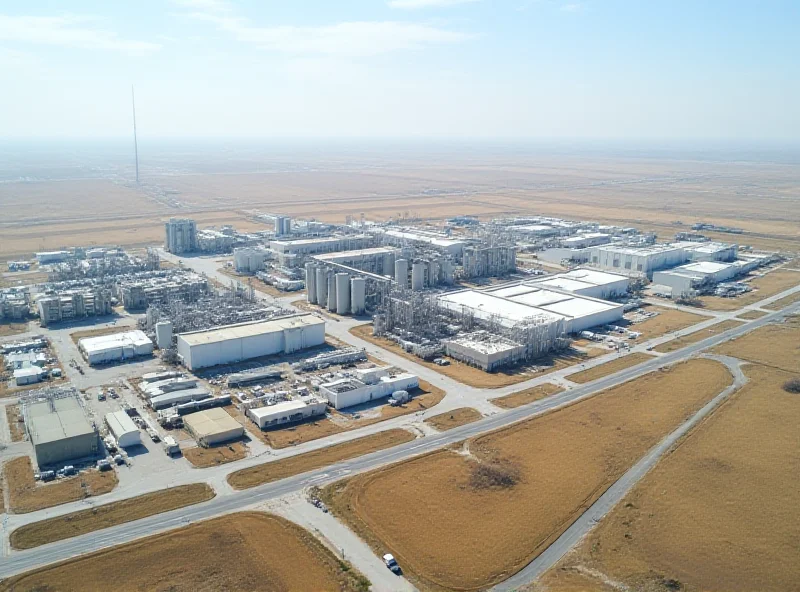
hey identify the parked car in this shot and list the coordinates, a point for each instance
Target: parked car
(389, 561)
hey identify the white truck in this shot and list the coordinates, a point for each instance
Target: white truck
(171, 446)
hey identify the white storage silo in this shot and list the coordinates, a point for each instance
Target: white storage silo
(311, 283)
(401, 273)
(418, 276)
(241, 259)
(331, 291)
(342, 293)
(321, 282)
(164, 334)
(388, 263)
(358, 291)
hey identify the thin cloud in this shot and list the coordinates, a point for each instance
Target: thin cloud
(352, 39)
(205, 5)
(573, 7)
(69, 31)
(411, 4)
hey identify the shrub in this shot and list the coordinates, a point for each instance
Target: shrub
(792, 385)
(494, 476)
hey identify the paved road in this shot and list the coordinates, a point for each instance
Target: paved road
(25, 560)
(614, 494)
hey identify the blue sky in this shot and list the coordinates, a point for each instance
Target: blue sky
(525, 69)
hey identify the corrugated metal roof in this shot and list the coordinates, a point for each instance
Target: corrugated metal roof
(210, 422)
(119, 422)
(64, 419)
(249, 329)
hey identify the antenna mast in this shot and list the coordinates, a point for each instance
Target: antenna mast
(135, 142)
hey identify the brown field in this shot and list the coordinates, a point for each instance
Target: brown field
(777, 346)
(23, 278)
(475, 376)
(294, 465)
(15, 425)
(453, 419)
(768, 285)
(105, 516)
(78, 335)
(680, 342)
(7, 329)
(718, 513)
(244, 551)
(667, 321)
(24, 495)
(527, 396)
(611, 367)
(216, 455)
(549, 470)
(783, 302)
(751, 315)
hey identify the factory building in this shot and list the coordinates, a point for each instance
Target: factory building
(178, 397)
(212, 427)
(59, 429)
(347, 392)
(249, 259)
(534, 231)
(484, 350)
(285, 412)
(589, 239)
(586, 282)
(121, 426)
(14, 304)
(695, 276)
(489, 261)
(708, 251)
(377, 260)
(244, 341)
(138, 294)
(73, 304)
(29, 375)
(439, 242)
(116, 347)
(293, 253)
(640, 260)
(52, 257)
(181, 236)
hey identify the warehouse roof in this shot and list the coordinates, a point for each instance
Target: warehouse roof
(282, 407)
(56, 419)
(704, 267)
(355, 253)
(646, 250)
(485, 305)
(319, 240)
(105, 342)
(210, 422)
(592, 276)
(252, 329)
(119, 422)
(431, 240)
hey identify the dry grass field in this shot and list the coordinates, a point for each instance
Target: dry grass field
(611, 367)
(105, 516)
(680, 342)
(718, 513)
(301, 463)
(667, 321)
(527, 396)
(751, 315)
(475, 376)
(453, 419)
(7, 329)
(507, 495)
(776, 345)
(15, 425)
(24, 495)
(203, 458)
(765, 286)
(244, 551)
(783, 302)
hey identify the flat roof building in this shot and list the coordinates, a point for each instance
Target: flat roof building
(587, 282)
(452, 247)
(347, 392)
(285, 412)
(212, 426)
(244, 341)
(115, 347)
(637, 260)
(59, 429)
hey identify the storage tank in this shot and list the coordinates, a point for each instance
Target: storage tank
(241, 259)
(331, 291)
(447, 272)
(311, 283)
(401, 273)
(342, 293)
(388, 263)
(321, 281)
(164, 334)
(418, 276)
(358, 291)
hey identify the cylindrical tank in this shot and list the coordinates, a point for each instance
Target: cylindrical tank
(447, 272)
(342, 293)
(321, 281)
(311, 283)
(331, 291)
(418, 276)
(401, 273)
(358, 291)
(388, 263)
(435, 272)
(164, 334)
(241, 259)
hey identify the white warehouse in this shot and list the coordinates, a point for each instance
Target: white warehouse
(641, 260)
(587, 282)
(123, 429)
(244, 341)
(115, 347)
(689, 277)
(347, 392)
(287, 412)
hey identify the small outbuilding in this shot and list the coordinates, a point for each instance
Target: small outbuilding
(30, 375)
(212, 426)
(123, 429)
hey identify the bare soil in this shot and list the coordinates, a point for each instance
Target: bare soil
(527, 396)
(475, 376)
(244, 551)
(783, 302)
(681, 342)
(216, 455)
(667, 321)
(611, 367)
(718, 513)
(302, 463)
(105, 516)
(777, 346)
(15, 424)
(751, 315)
(453, 419)
(566, 460)
(7, 329)
(25, 495)
(765, 286)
